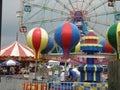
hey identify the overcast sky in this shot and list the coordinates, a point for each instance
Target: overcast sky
(10, 23)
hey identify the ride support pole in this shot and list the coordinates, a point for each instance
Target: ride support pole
(65, 68)
(36, 66)
(0, 25)
(0, 20)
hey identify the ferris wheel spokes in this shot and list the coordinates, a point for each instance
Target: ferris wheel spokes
(88, 4)
(71, 5)
(96, 30)
(48, 8)
(103, 13)
(63, 4)
(97, 6)
(47, 20)
(105, 23)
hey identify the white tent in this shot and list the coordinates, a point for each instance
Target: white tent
(53, 63)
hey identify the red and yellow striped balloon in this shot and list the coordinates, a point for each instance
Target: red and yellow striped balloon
(37, 39)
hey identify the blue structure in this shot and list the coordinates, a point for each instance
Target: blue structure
(90, 72)
(78, 20)
(49, 46)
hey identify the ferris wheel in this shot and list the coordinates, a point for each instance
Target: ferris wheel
(86, 14)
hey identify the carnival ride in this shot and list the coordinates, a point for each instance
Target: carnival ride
(111, 3)
(16, 51)
(97, 15)
(86, 14)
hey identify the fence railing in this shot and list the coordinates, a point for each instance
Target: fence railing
(18, 82)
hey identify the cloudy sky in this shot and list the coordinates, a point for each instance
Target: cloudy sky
(10, 23)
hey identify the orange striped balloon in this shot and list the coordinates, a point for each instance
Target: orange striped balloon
(37, 39)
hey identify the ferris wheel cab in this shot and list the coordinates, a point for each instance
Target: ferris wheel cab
(110, 3)
(27, 8)
(23, 29)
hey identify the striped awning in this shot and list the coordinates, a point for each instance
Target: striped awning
(16, 49)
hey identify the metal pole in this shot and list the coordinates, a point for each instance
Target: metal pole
(65, 68)
(0, 20)
(36, 69)
(0, 25)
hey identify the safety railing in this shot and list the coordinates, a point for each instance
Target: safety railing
(19, 82)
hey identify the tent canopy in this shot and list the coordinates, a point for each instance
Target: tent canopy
(10, 63)
(16, 49)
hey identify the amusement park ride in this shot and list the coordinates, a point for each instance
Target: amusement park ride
(97, 15)
(111, 2)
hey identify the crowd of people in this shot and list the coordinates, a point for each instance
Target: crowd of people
(61, 75)
(7, 70)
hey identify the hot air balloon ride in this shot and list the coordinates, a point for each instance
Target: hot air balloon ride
(67, 36)
(106, 47)
(37, 39)
(113, 37)
(49, 47)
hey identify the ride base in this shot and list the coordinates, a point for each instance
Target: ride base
(80, 86)
(91, 86)
(65, 86)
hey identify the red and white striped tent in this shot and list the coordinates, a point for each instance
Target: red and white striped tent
(16, 50)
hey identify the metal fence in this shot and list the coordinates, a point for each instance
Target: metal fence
(19, 82)
(13, 82)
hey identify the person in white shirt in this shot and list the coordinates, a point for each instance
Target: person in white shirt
(49, 71)
(62, 76)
